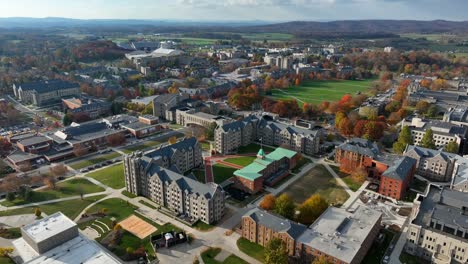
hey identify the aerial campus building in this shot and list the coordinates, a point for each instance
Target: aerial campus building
(56, 239)
(157, 175)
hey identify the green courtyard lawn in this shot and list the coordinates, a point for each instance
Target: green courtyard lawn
(205, 145)
(72, 187)
(317, 180)
(98, 159)
(112, 176)
(202, 226)
(210, 254)
(241, 161)
(352, 184)
(70, 208)
(315, 92)
(377, 251)
(254, 250)
(143, 146)
(222, 173)
(6, 260)
(199, 174)
(253, 148)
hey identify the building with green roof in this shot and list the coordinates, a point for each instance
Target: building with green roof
(266, 169)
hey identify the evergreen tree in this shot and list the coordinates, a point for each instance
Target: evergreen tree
(428, 140)
(67, 120)
(452, 147)
(404, 139)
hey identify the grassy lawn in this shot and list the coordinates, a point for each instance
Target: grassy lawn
(301, 163)
(205, 145)
(128, 194)
(253, 148)
(202, 226)
(175, 126)
(222, 173)
(147, 204)
(209, 255)
(200, 175)
(377, 251)
(317, 180)
(116, 207)
(254, 250)
(410, 196)
(242, 161)
(112, 176)
(143, 146)
(6, 260)
(72, 187)
(95, 160)
(71, 208)
(10, 233)
(352, 184)
(315, 92)
(419, 185)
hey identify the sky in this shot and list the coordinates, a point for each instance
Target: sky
(239, 10)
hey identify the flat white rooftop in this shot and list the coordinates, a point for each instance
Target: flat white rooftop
(79, 250)
(340, 233)
(48, 226)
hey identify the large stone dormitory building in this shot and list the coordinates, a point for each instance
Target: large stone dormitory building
(229, 137)
(438, 228)
(341, 236)
(157, 175)
(45, 92)
(444, 132)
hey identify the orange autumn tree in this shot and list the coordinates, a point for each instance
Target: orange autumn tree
(268, 202)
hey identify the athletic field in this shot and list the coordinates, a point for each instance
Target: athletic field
(315, 92)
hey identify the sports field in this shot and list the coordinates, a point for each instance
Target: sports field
(315, 92)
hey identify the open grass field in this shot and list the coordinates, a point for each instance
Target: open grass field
(95, 160)
(73, 187)
(222, 173)
(315, 92)
(242, 161)
(71, 208)
(317, 180)
(112, 176)
(254, 250)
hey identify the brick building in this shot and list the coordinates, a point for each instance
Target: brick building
(396, 179)
(266, 169)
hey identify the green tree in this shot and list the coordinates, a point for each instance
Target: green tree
(432, 111)
(404, 139)
(275, 252)
(285, 206)
(428, 140)
(67, 120)
(452, 147)
(321, 260)
(210, 131)
(10, 196)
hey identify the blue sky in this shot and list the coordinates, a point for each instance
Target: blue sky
(272, 10)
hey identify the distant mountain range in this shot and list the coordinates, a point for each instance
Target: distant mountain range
(304, 28)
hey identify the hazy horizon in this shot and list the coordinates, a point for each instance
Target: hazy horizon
(240, 10)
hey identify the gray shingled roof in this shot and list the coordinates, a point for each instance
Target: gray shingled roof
(400, 169)
(169, 150)
(276, 223)
(47, 86)
(184, 183)
(361, 146)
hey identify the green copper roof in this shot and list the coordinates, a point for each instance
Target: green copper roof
(254, 169)
(261, 153)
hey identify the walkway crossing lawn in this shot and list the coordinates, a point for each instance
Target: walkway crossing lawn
(143, 146)
(254, 250)
(241, 161)
(97, 159)
(112, 176)
(253, 148)
(222, 173)
(317, 180)
(209, 257)
(352, 184)
(315, 92)
(71, 208)
(72, 187)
